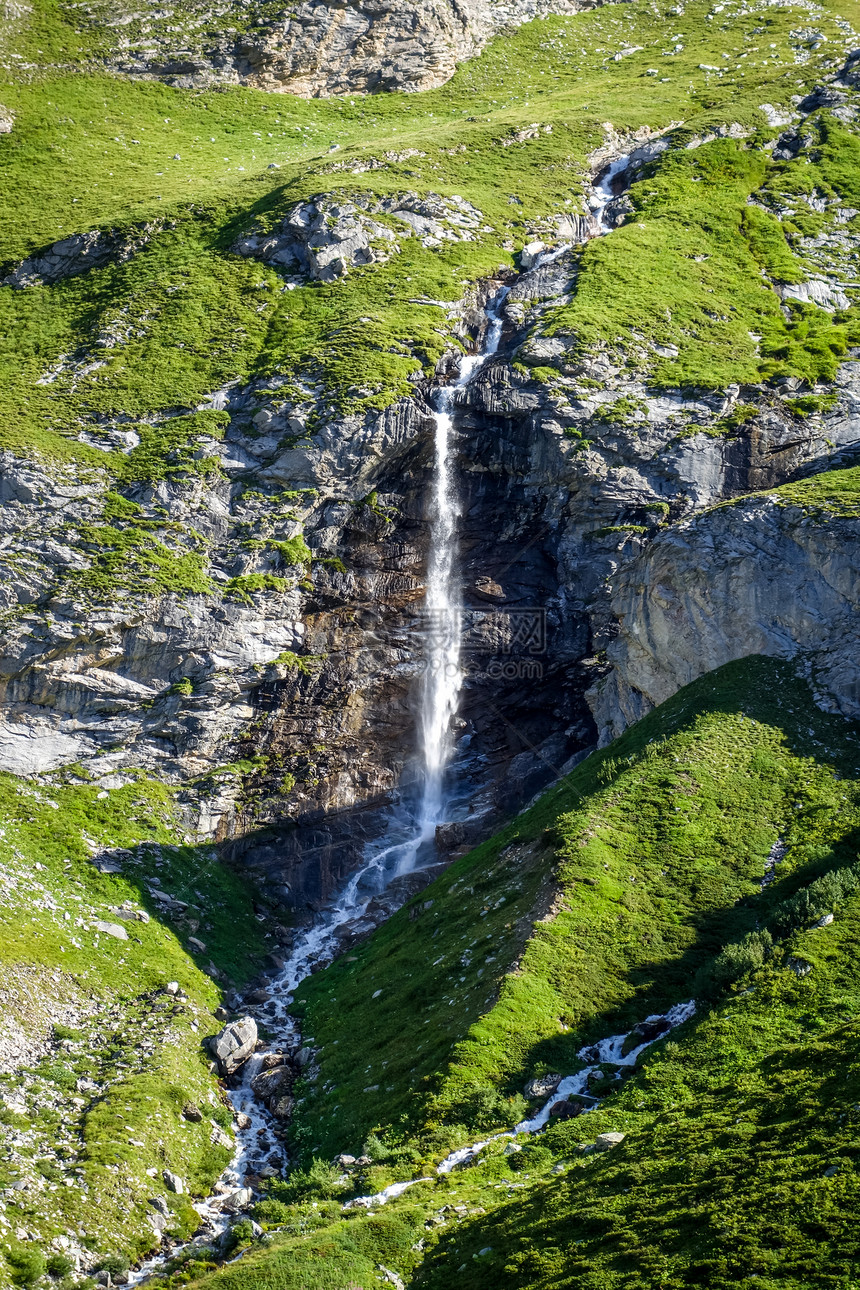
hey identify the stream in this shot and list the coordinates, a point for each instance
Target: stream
(409, 843)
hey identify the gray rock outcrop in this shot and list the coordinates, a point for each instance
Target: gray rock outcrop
(759, 577)
(77, 254)
(540, 1086)
(325, 237)
(324, 47)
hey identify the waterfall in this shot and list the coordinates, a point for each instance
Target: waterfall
(442, 679)
(442, 675)
(410, 832)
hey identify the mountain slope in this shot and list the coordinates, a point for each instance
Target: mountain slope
(105, 907)
(740, 1149)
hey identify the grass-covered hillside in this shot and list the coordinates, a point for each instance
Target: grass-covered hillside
(644, 870)
(103, 905)
(187, 171)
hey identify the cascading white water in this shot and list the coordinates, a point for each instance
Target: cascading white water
(258, 1149)
(442, 678)
(603, 193)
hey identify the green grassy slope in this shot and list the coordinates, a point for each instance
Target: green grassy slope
(99, 1102)
(656, 847)
(182, 318)
(738, 1167)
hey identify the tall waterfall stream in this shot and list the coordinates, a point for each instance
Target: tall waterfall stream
(409, 841)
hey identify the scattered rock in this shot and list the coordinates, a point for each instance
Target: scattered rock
(391, 1277)
(173, 1182)
(824, 921)
(192, 1112)
(344, 1161)
(606, 1141)
(540, 1086)
(111, 929)
(172, 987)
(800, 967)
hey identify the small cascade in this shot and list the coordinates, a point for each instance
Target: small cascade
(604, 193)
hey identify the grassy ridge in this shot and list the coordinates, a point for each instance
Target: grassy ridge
(184, 317)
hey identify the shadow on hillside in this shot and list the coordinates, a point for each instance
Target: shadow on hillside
(764, 690)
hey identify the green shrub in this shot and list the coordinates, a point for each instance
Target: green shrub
(26, 1264)
(115, 1264)
(810, 903)
(487, 1108)
(59, 1265)
(241, 1233)
(735, 961)
(272, 1212)
(318, 1180)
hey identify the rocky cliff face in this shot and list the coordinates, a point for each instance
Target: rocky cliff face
(320, 48)
(764, 576)
(281, 693)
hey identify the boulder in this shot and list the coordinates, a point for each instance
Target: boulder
(606, 1141)
(531, 253)
(273, 1083)
(173, 1182)
(540, 1086)
(565, 1109)
(111, 929)
(238, 1200)
(234, 1045)
(645, 1033)
(191, 1111)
